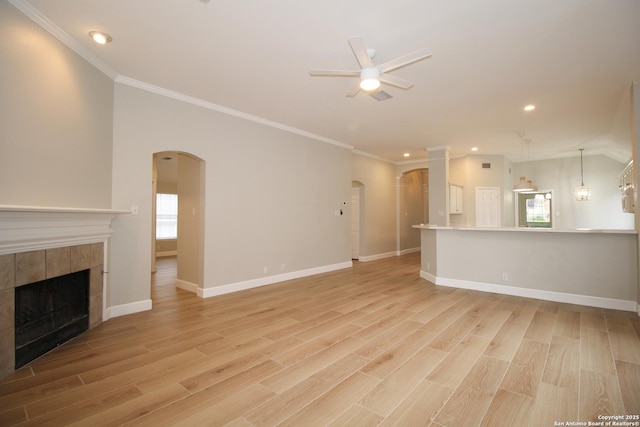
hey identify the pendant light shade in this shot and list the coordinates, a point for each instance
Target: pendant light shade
(582, 192)
(524, 186)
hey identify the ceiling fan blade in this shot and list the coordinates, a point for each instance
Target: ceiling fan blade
(354, 90)
(396, 81)
(339, 73)
(402, 61)
(360, 51)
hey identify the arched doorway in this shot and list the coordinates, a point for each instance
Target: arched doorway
(181, 175)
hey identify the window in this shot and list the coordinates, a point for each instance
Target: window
(166, 216)
(535, 209)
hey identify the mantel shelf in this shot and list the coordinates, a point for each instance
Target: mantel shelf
(54, 210)
(29, 228)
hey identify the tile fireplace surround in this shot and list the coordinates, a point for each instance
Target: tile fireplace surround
(41, 243)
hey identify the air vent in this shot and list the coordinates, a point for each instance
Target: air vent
(381, 95)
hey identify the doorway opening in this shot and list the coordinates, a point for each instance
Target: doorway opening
(178, 218)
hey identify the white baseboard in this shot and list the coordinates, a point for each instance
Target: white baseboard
(188, 286)
(408, 251)
(124, 309)
(377, 257)
(387, 255)
(166, 254)
(428, 276)
(263, 281)
(591, 301)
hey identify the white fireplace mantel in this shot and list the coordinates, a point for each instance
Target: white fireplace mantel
(29, 228)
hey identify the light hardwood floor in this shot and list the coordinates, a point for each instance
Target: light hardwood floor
(370, 345)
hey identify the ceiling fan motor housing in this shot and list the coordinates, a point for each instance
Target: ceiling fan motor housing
(369, 79)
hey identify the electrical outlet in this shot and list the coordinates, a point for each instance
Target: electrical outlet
(134, 209)
(428, 266)
(265, 269)
(505, 277)
(284, 266)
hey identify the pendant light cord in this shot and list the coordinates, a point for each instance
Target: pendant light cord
(581, 169)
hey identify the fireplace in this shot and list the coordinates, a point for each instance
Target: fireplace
(49, 313)
(42, 243)
(30, 269)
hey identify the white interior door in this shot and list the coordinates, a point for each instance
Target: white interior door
(487, 206)
(355, 222)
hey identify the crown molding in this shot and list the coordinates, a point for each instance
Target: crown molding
(224, 110)
(424, 160)
(373, 156)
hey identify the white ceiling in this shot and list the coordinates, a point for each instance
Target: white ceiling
(574, 59)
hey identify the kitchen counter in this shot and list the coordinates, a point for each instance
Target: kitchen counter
(527, 229)
(582, 266)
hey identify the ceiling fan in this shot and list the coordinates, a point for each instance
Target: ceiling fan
(371, 76)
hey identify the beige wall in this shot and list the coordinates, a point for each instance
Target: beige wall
(166, 247)
(270, 195)
(191, 217)
(56, 114)
(167, 187)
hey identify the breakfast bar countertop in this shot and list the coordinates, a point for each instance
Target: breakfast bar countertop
(527, 229)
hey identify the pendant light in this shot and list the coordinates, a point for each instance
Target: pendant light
(582, 192)
(524, 185)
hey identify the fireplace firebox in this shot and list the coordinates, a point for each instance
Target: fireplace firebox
(49, 313)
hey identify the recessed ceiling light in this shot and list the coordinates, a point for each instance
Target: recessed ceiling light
(100, 37)
(407, 154)
(529, 107)
(474, 148)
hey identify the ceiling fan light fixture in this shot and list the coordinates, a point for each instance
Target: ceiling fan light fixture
(369, 79)
(372, 76)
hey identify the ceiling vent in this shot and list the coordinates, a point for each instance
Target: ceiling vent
(381, 95)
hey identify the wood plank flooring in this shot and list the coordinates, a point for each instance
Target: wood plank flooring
(365, 346)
